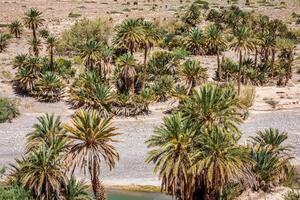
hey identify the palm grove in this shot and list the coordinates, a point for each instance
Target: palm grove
(195, 150)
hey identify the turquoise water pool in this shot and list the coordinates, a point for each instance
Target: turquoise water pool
(119, 195)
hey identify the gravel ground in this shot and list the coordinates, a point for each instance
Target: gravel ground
(132, 169)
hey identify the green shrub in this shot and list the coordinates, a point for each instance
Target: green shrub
(14, 192)
(73, 39)
(8, 109)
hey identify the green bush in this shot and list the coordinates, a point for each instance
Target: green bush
(73, 39)
(14, 192)
(8, 109)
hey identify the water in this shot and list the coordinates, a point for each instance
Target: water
(120, 195)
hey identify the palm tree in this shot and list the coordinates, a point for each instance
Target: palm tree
(91, 137)
(129, 35)
(75, 190)
(286, 47)
(106, 57)
(194, 73)
(172, 144)
(89, 91)
(216, 41)
(16, 28)
(3, 41)
(271, 138)
(20, 61)
(90, 53)
(242, 44)
(150, 37)
(48, 131)
(42, 172)
(33, 20)
(213, 106)
(128, 73)
(194, 41)
(35, 46)
(218, 160)
(51, 43)
(49, 87)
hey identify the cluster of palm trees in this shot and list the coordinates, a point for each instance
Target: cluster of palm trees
(38, 76)
(197, 155)
(54, 150)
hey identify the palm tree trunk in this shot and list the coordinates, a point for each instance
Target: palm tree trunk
(255, 58)
(33, 32)
(240, 72)
(51, 59)
(98, 188)
(145, 67)
(273, 61)
(289, 68)
(219, 65)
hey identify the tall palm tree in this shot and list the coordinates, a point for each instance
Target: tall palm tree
(129, 35)
(33, 20)
(194, 73)
(128, 73)
(90, 53)
(91, 137)
(16, 28)
(213, 106)
(216, 41)
(242, 44)
(35, 46)
(3, 41)
(150, 37)
(172, 144)
(51, 43)
(286, 47)
(194, 41)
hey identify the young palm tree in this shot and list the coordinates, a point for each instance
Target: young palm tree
(194, 73)
(150, 37)
(194, 41)
(242, 44)
(49, 87)
(20, 61)
(16, 28)
(91, 137)
(89, 91)
(49, 132)
(129, 35)
(216, 41)
(75, 190)
(128, 73)
(35, 46)
(272, 139)
(213, 106)
(33, 20)
(106, 65)
(90, 53)
(51, 43)
(172, 144)
(3, 41)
